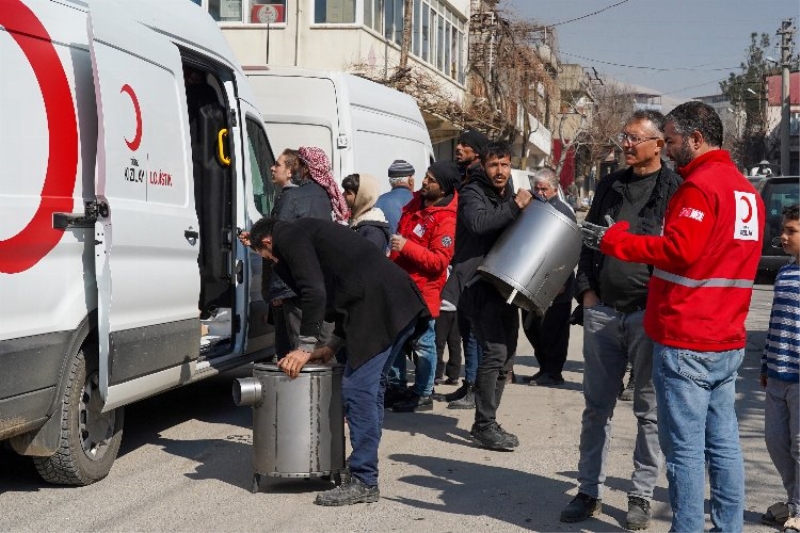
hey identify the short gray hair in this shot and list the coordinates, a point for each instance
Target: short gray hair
(547, 174)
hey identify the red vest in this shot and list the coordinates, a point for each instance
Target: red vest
(702, 306)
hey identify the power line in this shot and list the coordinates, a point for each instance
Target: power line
(671, 69)
(589, 15)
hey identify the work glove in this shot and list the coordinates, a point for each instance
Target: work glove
(593, 233)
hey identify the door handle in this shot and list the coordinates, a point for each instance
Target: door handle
(191, 236)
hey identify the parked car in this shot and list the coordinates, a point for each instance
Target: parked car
(777, 192)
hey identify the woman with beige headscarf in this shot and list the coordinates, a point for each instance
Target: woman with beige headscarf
(361, 193)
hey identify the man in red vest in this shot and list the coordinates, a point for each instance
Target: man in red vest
(704, 265)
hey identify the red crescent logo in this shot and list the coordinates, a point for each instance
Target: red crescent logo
(137, 138)
(38, 237)
(749, 209)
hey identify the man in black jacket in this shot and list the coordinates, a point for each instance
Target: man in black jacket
(470, 145)
(488, 205)
(613, 294)
(375, 306)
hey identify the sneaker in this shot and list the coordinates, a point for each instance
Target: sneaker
(466, 402)
(494, 437)
(354, 491)
(414, 404)
(792, 525)
(776, 514)
(581, 507)
(451, 381)
(438, 381)
(547, 381)
(638, 516)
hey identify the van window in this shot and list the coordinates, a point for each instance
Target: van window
(261, 159)
(293, 136)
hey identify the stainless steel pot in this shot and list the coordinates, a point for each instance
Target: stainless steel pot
(534, 257)
(298, 424)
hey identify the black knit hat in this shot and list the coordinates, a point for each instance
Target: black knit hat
(446, 174)
(474, 139)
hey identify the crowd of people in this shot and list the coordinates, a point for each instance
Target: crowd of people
(663, 286)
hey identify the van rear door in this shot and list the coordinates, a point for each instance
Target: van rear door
(147, 228)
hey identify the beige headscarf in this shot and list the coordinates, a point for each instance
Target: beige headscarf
(365, 201)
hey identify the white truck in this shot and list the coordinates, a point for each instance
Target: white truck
(361, 125)
(132, 150)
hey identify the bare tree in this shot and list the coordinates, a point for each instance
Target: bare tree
(596, 124)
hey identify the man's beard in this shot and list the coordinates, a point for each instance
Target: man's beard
(684, 155)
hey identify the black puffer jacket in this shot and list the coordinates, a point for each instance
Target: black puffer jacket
(482, 217)
(608, 201)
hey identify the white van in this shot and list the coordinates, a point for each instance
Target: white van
(132, 150)
(361, 125)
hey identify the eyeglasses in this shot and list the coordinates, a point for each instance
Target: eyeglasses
(633, 140)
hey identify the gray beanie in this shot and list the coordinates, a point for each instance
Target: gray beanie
(400, 170)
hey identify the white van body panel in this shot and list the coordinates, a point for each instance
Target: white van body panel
(98, 91)
(362, 126)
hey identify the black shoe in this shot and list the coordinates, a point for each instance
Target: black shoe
(467, 402)
(354, 491)
(494, 438)
(638, 516)
(438, 381)
(414, 404)
(581, 507)
(455, 395)
(394, 395)
(451, 381)
(547, 381)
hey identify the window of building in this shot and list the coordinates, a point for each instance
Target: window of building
(334, 11)
(246, 11)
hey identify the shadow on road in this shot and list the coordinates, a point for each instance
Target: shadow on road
(469, 489)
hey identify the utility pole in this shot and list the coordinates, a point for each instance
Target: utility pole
(786, 33)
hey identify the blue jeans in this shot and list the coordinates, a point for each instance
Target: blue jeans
(362, 391)
(425, 349)
(472, 350)
(610, 340)
(698, 428)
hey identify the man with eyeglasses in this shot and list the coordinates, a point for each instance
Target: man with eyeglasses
(613, 294)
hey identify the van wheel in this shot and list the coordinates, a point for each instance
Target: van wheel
(89, 439)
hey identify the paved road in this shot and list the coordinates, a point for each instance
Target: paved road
(185, 466)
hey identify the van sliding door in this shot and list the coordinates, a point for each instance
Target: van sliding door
(147, 228)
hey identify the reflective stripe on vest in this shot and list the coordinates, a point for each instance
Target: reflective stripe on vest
(710, 282)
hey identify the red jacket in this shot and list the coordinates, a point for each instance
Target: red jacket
(431, 234)
(706, 260)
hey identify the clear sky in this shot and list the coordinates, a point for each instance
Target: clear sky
(692, 43)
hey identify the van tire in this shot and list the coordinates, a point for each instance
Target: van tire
(89, 439)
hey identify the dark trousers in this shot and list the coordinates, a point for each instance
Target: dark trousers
(549, 336)
(496, 326)
(447, 334)
(362, 391)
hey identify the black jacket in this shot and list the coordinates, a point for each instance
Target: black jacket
(375, 232)
(308, 199)
(482, 217)
(608, 201)
(342, 277)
